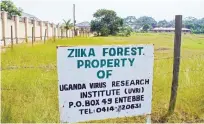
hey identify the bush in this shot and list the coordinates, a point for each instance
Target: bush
(125, 31)
(105, 31)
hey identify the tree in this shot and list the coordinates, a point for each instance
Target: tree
(130, 21)
(162, 23)
(106, 22)
(125, 31)
(145, 27)
(171, 23)
(196, 25)
(9, 6)
(96, 26)
(146, 20)
(67, 25)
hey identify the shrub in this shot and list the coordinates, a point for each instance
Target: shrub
(125, 31)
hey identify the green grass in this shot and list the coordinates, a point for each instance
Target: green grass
(31, 94)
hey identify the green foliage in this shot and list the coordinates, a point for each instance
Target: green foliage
(9, 6)
(67, 25)
(136, 24)
(130, 21)
(106, 22)
(146, 27)
(145, 20)
(162, 23)
(104, 31)
(196, 25)
(125, 31)
(96, 26)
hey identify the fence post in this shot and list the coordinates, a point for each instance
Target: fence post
(52, 30)
(11, 37)
(54, 34)
(41, 32)
(4, 24)
(32, 35)
(61, 32)
(177, 45)
(45, 35)
(16, 19)
(85, 33)
(34, 29)
(26, 28)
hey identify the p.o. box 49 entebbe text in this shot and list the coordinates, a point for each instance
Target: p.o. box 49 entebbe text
(100, 82)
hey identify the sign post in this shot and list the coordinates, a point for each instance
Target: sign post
(100, 82)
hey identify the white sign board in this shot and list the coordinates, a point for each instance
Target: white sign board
(100, 82)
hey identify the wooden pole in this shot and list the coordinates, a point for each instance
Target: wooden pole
(177, 46)
(11, 37)
(45, 35)
(32, 35)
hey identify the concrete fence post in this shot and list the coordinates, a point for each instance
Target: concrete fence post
(4, 24)
(54, 34)
(48, 30)
(61, 32)
(16, 18)
(53, 30)
(34, 30)
(58, 31)
(26, 28)
(11, 37)
(41, 33)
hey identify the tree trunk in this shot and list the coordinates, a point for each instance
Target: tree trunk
(66, 33)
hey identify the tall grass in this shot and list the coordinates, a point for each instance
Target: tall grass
(31, 94)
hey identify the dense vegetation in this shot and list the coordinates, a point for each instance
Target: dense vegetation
(106, 22)
(196, 25)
